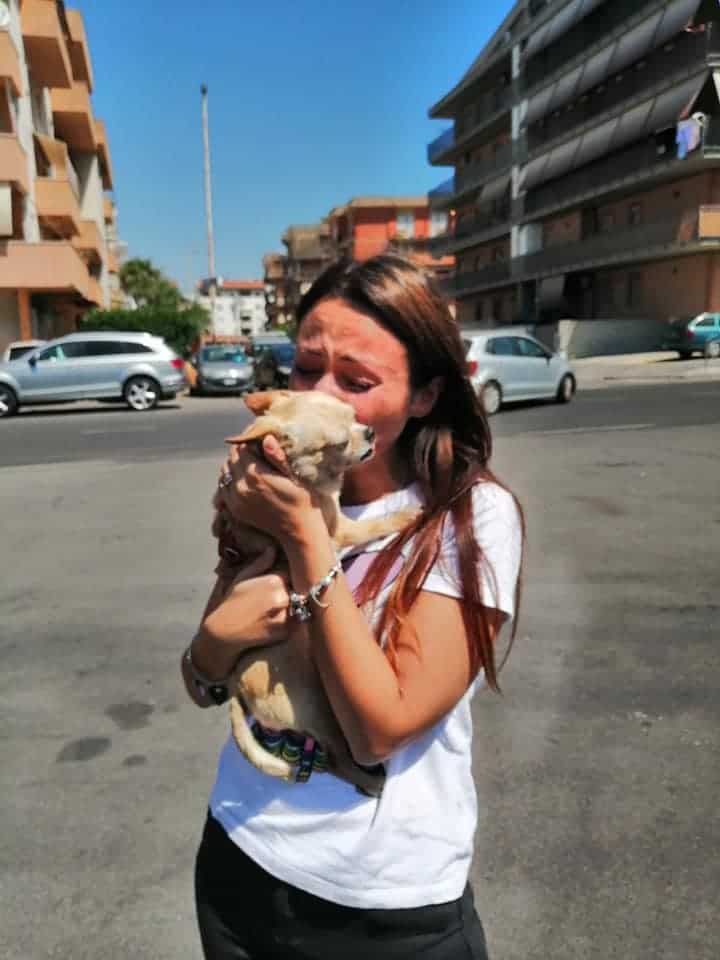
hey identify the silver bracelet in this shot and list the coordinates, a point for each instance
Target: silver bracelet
(217, 690)
(299, 606)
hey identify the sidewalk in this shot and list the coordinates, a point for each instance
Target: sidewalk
(639, 368)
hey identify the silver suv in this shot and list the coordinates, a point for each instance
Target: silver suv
(138, 368)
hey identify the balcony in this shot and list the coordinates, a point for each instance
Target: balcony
(90, 243)
(640, 163)
(73, 119)
(486, 111)
(13, 162)
(686, 59)
(690, 232)
(45, 47)
(494, 275)
(440, 144)
(108, 210)
(103, 155)
(78, 48)
(49, 266)
(439, 197)
(9, 63)
(481, 228)
(57, 206)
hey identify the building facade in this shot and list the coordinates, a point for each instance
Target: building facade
(275, 267)
(55, 166)
(236, 307)
(586, 143)
(361, 228)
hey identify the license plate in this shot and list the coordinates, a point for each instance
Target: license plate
(229, 382)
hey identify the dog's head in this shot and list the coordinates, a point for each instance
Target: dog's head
(318, 434)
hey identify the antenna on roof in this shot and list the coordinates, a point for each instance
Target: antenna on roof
(208, 188)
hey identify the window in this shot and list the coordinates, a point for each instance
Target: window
(526, 348)
(707, 321)
(405, 223)
(438, 222)
(71, 350)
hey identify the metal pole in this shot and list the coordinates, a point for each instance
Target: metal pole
(208, 188)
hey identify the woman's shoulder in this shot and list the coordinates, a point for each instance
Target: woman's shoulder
(490, 500)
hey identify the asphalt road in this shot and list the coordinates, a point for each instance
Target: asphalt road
(598, 771)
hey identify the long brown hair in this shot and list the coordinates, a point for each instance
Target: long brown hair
(449, 449)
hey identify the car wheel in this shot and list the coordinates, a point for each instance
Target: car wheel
(685, 354)
(8, 401)
(141, 393)
(491, 397)
(566, 389)
(712, 350)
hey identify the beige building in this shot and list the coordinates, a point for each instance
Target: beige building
(585, 142)
(58, 239)
(274, 266)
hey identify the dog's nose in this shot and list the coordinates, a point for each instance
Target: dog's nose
(369, 434)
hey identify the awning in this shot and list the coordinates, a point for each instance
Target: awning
(570, 14)
(643, 120)
(494, 189)
(677, 16)
(566, 88)
(636, 43)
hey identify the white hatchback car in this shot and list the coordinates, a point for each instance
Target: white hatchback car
(507, 364)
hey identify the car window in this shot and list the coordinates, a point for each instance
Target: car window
(16, 352)
(284, 352)
(705, 322)
(222, 354)
(526, 348)
(467, 344)
(501, 346)
(52, 353)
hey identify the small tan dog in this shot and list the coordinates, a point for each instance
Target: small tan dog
(278, 684)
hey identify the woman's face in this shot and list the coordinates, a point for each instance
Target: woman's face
(345, 352)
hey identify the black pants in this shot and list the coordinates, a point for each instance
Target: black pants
(244, 913)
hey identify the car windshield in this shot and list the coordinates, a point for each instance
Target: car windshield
(223, 355)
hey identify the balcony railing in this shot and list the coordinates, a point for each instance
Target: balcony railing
(686, 56)
(439, 196)
(643, 241)
(477, 229)
(440, 144)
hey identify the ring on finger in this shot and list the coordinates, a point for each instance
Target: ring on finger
(225, 479)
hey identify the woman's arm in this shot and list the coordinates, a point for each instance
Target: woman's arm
(378, 709)
(250, 610)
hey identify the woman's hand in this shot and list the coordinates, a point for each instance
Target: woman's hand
(262, 494)
(249, 610)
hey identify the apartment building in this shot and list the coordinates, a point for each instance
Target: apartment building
(274, 266)
(359, 229)
(309, 250)
(585, 142)
(236, 307)
(55, 167)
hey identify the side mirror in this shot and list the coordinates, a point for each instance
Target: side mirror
(32, 359)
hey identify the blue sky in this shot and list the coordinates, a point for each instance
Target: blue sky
(310, 104)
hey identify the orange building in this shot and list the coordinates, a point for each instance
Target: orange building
(366, 226)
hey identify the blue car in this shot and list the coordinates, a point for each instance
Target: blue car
(699, 335)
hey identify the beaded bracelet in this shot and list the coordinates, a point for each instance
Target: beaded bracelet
(299, 606)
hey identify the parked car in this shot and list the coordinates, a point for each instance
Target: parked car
(701, 334)
(17, 348)
(136, 368)
(273, 359)
(506, 364)
(223, 368)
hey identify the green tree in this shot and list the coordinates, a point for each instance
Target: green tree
(161, 308)
(148, 286)
(178, 326)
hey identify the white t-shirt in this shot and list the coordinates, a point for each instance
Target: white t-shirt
(412, 846)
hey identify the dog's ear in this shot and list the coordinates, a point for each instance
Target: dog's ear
(261, 401)
(257, 430)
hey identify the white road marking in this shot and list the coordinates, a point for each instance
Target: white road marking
(606, 429)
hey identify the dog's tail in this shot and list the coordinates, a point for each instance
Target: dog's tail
(255, 754)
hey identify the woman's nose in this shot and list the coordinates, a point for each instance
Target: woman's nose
(328, 384)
